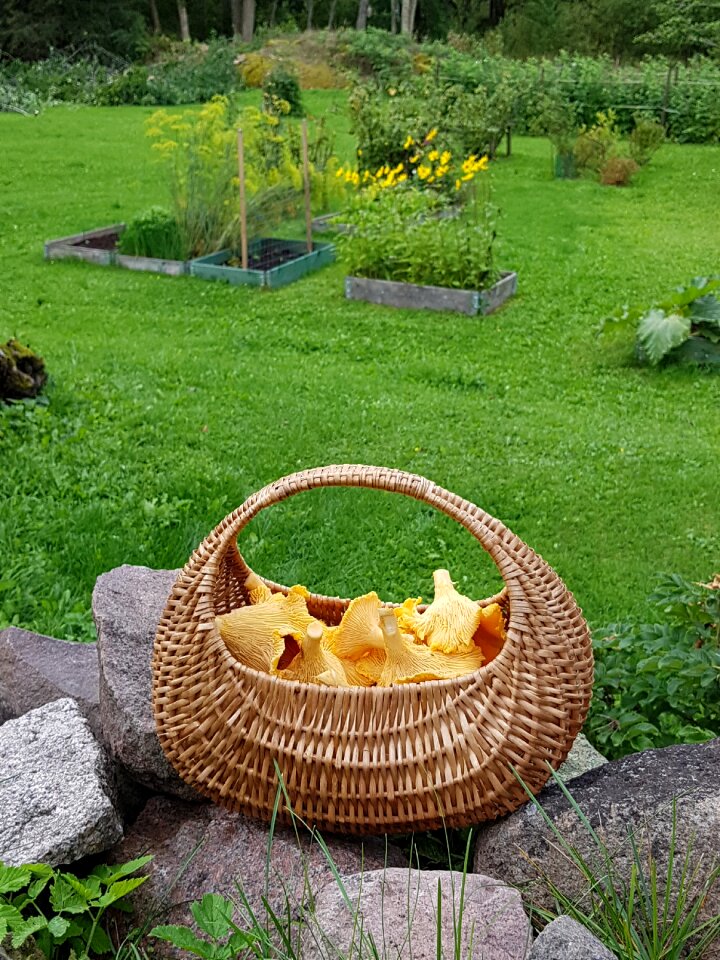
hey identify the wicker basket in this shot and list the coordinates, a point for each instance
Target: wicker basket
(371, 760)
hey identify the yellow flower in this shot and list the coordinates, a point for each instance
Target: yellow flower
(445, 158)
(468, 176)
(458, 184)
(340, 172)
(402, 177)
(408, 143)
(433, 155)
(359, 152)
(430, 179)
(431, 136)
(392, 91)
(423, 172)
(440, 172)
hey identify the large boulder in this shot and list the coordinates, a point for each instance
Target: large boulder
(582, 757)
(199, 848)
(35, 670)
(397, 911)
(566, 939)
(56, 793)
(127, 605)
(635, 796)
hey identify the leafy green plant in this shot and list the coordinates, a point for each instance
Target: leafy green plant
(595, 145)
(402, 234)
(214, 917)
(654, 912)
(646, 138)
(684, 327)
(62, 913)
(556, 119)
(154, 233)
(282, 84)
(657, 684)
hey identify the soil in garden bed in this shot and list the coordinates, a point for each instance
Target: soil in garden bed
(269, 254)
(107, 241)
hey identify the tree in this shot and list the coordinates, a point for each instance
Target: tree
(362, 17)
(496, 12)
(394, 16)
(248, 20)
(236, 15)
(310, 5)
(407, 16)
(331, 15)
(684, 27)
(155, 17)
(184, 24)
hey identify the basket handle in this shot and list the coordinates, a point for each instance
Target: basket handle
(509, 553)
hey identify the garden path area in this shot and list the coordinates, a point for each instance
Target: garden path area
(174, 399)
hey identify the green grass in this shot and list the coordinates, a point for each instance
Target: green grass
(174, 399)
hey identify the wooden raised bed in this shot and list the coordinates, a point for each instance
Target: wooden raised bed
(272, 263)
(412, 296)
(100, 247)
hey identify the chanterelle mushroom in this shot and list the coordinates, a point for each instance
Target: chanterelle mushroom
(359, 630)
(410, 662)
(254, 634)
(449, 622)
(315, 664)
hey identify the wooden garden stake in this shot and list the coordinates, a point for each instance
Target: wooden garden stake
(243, 206)
(306, 178)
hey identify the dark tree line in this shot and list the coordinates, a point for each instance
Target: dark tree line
(621, 28)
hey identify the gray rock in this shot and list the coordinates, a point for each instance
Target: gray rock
(35, 670)
(566, 939)
(582, 757)
(633, 795)
(127, 605)
(397, 910)
(200, 848)
(55, 789)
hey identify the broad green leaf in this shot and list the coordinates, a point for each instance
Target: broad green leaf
(21, 931)
(700, 351)
(101, 943)
(660, 332)
(184, 939)
(109, 875)
(707, 310)
(8, 916)
(119, 890)
(14, 878)
(213, 914)
(89, 888)
(706, 331)
(58, 926)
(239, 941)
(65, 899)
(37, 886)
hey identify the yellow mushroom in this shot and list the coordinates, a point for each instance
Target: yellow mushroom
(258, 591)
(365, 671)
(450, 621)
(254, 635)
(406, 615)
(490, 634)
(359, 630)
(315, 664)
(409, 662)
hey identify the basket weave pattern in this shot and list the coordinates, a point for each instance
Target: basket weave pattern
(369, 760)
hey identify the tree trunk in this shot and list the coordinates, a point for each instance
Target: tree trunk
(331, 17)
(497, 12)
(407, 16)
(184, 25)
(155, 17)
(362, 17)
(273, 13)
(236, 14)
(394, 16)
(310, 5)
(248, 20)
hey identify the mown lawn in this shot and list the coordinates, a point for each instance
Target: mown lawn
(174, 399)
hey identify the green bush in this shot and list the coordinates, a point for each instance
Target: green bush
(282, 84)
(153, 234)
(646, 138)
(657, 684)
(401, 233)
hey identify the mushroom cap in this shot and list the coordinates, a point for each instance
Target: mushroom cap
(449, 622)
(254, 634)
(410, 662)
(258, 590)
(359, 630)
(314, 663)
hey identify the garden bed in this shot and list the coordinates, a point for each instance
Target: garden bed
(271, 263)
(412, 296)
(100, 247)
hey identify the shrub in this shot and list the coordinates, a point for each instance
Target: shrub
(377, 53)
(657, 684)
(282, 84)
(128, 87)
(597, 144)
(400, 234)
(684, 327)
(255, 69)
(153, 234)
(618, 171)
(319, 76)
(645, 139)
